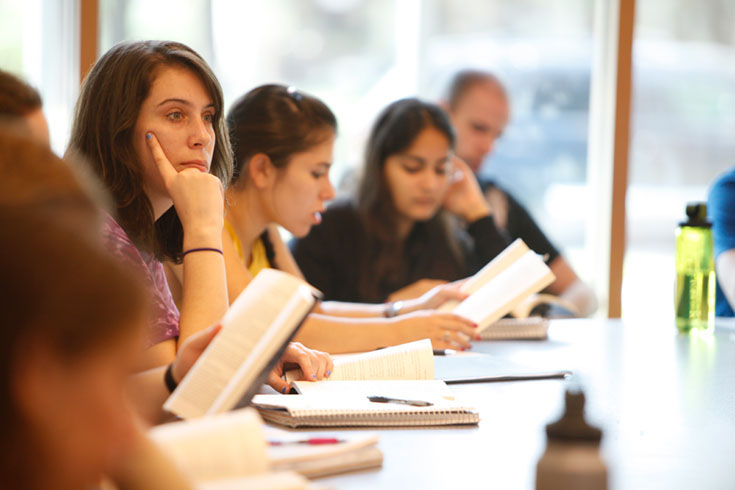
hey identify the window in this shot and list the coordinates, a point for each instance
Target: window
(682, 135)
(38, 43)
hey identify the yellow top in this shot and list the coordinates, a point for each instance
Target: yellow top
(258, 256)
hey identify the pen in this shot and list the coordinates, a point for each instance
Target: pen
(413, 403)
(444, 352)
(314, 441)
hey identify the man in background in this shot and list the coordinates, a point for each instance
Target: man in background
(478, 107)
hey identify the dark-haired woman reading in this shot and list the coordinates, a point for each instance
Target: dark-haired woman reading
(397, 234)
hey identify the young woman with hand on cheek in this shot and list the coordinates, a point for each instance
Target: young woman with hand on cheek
(283, 141)
(150, 124)
(396, 233)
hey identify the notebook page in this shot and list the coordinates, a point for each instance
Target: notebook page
(244, 326)
(223, 446)
(424, 389)
(504, 259)
(307, 405)
(519, 280)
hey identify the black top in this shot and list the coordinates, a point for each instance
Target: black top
(520, 224)
(335, 256)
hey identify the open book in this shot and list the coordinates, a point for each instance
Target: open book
(502, 285)
(292, 451)
(404, 372)
(414, 360)
(255, 331)
(530, 328)
(230, 451)
(223, 451)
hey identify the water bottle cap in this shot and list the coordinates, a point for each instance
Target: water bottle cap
(697, 215)
(572, 426)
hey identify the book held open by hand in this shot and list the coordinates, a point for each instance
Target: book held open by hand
(255, 331)
(502, 285)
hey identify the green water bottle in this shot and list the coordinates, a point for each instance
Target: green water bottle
(695, 271)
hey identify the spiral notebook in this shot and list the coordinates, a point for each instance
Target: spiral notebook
(345, 407)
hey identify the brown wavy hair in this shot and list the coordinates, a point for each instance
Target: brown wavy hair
(106, 113)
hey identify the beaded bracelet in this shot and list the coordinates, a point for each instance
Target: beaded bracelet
(203, 249)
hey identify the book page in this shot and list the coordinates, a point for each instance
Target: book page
(222, 446)
(414, 360)
(516, 282)
(504, 259)
(281, 480)
(253, 329)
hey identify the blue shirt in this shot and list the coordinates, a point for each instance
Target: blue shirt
(721, 210)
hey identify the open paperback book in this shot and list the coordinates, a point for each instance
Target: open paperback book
(223, 451)
(402, 372)
(530, 328)
(255, 331)
(230, 450)
(502, 285)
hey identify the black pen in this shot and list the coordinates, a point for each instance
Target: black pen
(413, 403)
(444, 352)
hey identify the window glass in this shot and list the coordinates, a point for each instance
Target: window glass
(682, 135)
(38, 44)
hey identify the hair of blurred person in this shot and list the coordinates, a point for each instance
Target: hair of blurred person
(72, 321)
(34, 177)
(21, 104)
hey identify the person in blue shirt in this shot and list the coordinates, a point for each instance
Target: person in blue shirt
(721, 210)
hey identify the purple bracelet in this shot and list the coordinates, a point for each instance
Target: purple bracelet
(203, 249)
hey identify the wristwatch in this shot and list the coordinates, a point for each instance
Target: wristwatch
(393, 308)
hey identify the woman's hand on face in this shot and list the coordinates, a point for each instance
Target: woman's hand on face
(446, 330)
(464, 197)
(197, 196)
(313, 364)
(190, 350)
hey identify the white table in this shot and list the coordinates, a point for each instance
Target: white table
(666, 403)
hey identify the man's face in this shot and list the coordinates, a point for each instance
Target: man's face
(479, 118)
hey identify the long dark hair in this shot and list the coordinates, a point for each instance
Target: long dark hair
(106, 113)
(395, 129)
(277, 121)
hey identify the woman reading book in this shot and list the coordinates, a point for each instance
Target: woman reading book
(150, 124)
(283, 141)
(397, 234)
